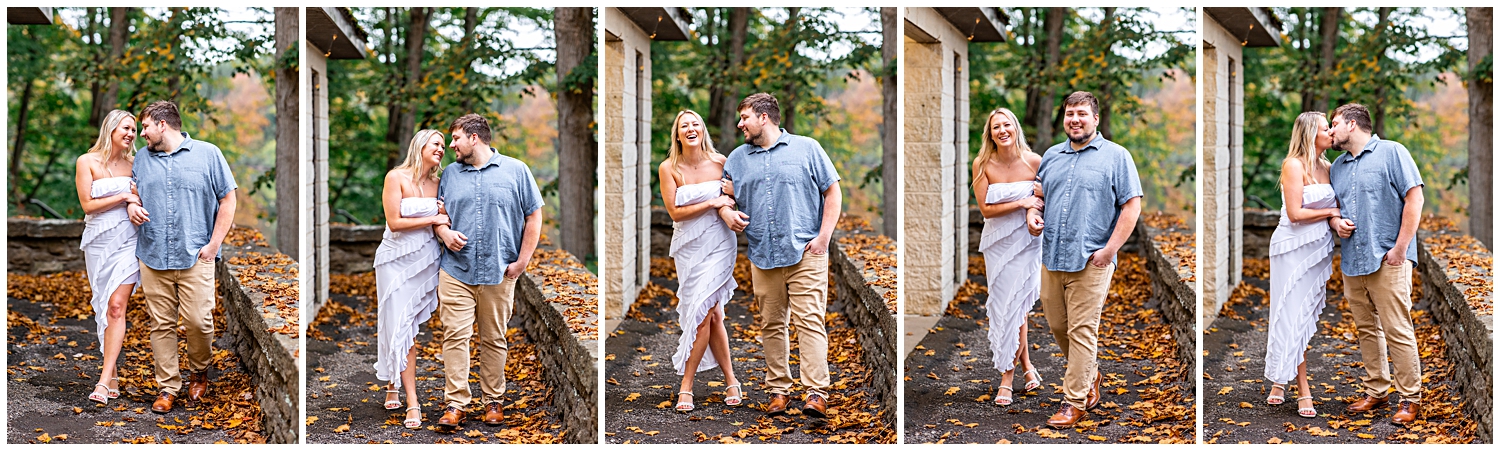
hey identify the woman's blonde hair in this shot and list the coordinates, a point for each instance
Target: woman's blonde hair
(413, 161)
(674, 150)
(1304, 145)
(106, 139)
(987, 148)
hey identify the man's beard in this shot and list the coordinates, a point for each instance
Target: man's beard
(753, 139)
(1340, 144)
(463, 158)
(1081, 139)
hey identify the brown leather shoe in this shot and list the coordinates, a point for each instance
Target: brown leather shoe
(197, 385)
(493, 415)
(816, 406)
(452, 418)
(778, 405)
(164, 400)
(1066, 418)
(1367, 404)
(1093, 397)
(1406, 413)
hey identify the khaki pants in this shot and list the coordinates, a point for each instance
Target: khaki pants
(180, 293)
(461, 307)
(1072, 302)
(795, 295)
(1381, 304)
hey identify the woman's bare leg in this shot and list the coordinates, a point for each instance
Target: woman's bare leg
(409, 380)
(1303, 387)
(718, 344)
(690, 368)
(114, 335)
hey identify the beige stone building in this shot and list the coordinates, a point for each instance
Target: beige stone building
(628, 33)
(1226, 33)
(332, 33)
(935, 85)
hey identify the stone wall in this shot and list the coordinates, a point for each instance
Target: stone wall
(627, 161)
(263, 331)
(865, 304)
(1223, 160)
(1173, 285)
(559, 314)
(1462, 305)
(37, 246)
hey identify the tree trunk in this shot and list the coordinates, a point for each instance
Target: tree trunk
(1106, 94)
(788, 99)
(578, 157)
(416, 35)
(739, 21)
(393, 76)
(715, 51)
(108, 94)
(1328, 31)
(288, 198)
(17, 150)
(471, 21)
(889, 180)
(1481, 125)
(1045, 114)
(1381, 24)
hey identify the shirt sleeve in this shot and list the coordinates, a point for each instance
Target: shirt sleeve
(1404, 173)
(824, 173)
(223, 177)
(1127, 181)
(531, 199)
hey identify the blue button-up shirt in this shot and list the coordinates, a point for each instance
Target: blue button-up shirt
(181, 192)
(1371, 189)
(488, 204)
(781, 189)
(1085, 191)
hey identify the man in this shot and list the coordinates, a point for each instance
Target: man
(496, 212)
(1093, 200)
(189, 188)
(1375, 179)
(789, 187)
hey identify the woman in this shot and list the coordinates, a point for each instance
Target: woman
(704, 249)
(1301, 259)
(108, 244)
(406, 267)
(1004, 183)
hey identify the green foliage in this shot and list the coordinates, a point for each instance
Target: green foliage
(823, 70)
(188, 55)
(487, 72)
(1146, 68)
(1397, 69)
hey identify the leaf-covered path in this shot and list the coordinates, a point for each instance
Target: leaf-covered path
(1235, 387)
(641, 383)
(54, 361)
(344, 403)
(951, 383)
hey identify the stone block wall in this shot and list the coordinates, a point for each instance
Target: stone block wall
(1173, 287)
(1464, 308)
(352, 248)
(38, 246)
(562, 318)
(865, 304)
(627, 161)
(1222, 208)
(263, 331)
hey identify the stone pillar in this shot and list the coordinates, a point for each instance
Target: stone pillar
(627, 160)
(314, 194)
(935, 195)
(1223, 194)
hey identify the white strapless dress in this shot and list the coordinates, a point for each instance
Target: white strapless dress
(406, 277)
(703, 249)
(1301, 263)
(1013, 268)
(108, 246)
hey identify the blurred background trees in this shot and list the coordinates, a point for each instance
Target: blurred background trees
(825, 67)
(217, 64)
(1410, 66)
(531, 71)
(1139, 62)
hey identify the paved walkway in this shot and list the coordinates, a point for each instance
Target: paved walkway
(951, 383)
(641, 384)
(344, 402)
(53, 357)
(1235, 387)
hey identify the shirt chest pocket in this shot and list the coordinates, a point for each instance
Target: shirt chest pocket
(187, 175)
(791, 173)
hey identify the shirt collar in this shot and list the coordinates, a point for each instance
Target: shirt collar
(187, 144)
(1094, 143)
(1369, 145)
(786, 138)
(494, 161)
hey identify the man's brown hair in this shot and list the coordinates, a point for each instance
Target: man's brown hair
(1082, 98)
(473, 124)
(762, 103)
(1356, 113)
(163, 111)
